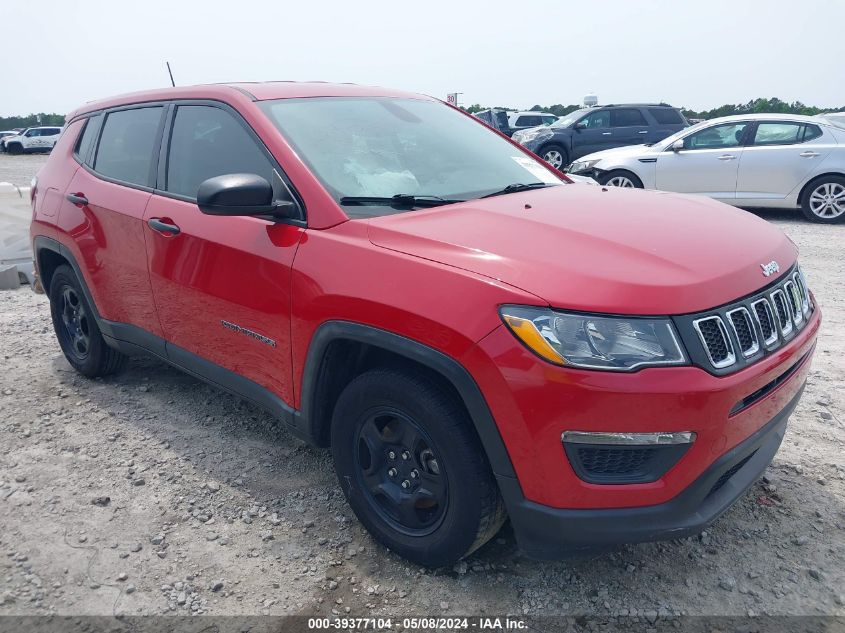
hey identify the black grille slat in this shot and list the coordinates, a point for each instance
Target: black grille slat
(744, 330)
(764, 319)
(715, 338)
(782, 311)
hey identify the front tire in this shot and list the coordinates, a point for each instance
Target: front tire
(76, 328)
(824, 201)
(554, 155)
(621, 178)
(15, 149)
(412, 468)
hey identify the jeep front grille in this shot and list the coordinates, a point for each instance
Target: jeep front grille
(728, 338)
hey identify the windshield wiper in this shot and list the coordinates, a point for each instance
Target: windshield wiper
(518, 186)
(400, 200)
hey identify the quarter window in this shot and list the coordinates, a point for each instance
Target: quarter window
(666, 116)
(626, 117)
(86, 139)
(725, 135)
(811, 132)
(529, 121)
(207, 142)
(126, 145)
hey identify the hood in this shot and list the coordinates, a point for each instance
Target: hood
(599, 249)
(619, 152)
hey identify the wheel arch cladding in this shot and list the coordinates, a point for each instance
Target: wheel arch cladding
(340, 350)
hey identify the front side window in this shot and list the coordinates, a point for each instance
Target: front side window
(528, 121)
(548, 120)
(126, 145)
(597, 120)
(718, 136)
(626, 117)
(380, 147)
(31, 133)
(208, 142)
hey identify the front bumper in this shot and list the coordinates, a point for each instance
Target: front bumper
(548, 533)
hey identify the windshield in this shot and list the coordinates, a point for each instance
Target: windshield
(365, 147)
(568, 119)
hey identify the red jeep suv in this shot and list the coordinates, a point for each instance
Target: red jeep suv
(475, 337)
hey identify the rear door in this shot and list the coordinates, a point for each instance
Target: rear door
(779, 158)
(221, 284)
(708, 162)
(629, 126)
(105, 222)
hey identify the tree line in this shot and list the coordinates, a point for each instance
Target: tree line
(31, 120)
(773, 105)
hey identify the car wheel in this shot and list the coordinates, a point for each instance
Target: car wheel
(555, 156)
(76, 328)
(15, 148)
(824, 201)
(620, 178)
(412, 468)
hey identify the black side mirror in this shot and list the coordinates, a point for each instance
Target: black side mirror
(240, 194)
(580, 126)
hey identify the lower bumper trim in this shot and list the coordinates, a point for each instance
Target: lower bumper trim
(549, 533)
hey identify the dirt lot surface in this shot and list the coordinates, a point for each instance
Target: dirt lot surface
(151, 493)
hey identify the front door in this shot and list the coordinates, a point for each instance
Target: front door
(592, 134)
(221, 284)
(707, 164)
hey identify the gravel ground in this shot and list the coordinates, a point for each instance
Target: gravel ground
(152, 493)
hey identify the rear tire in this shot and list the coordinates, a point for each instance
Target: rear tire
(554, 155)
(76, 328)
(824, 200)
(621, 178)
(412, 468)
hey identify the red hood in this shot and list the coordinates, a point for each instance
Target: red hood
(599, 249)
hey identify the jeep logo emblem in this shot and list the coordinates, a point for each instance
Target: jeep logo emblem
(770, 269)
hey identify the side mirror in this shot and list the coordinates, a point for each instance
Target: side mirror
(678, 145)
(580, 126)
(240, 194)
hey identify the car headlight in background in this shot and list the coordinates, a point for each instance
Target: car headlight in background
(526, 136)
(595, 342)
(583, 165)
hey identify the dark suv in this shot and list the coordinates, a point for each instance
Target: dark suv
(593, 129)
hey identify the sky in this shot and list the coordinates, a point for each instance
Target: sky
(509, 53)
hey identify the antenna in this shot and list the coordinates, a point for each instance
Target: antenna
(170, 72)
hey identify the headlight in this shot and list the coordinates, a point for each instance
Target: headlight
(526, 136)
(583, 165)
(595, 342)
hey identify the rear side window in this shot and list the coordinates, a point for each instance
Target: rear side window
(86, 139)
(485, 116)
(666, 116)
(781, 133)
(127, 143)
(626, 117)
(529, 121)
(207, 142)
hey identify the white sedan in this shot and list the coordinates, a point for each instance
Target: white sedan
(755, 160)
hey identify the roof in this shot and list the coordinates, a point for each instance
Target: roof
(762, 116)
(252, 91)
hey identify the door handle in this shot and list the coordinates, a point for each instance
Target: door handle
(808, 154)
(163, 227)
(605, 133)
(643, 132)
(726, 157)
(78, 199)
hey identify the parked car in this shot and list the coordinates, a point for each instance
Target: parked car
(497, 119)
(33, 139)
(756, 160)
(596, 128)
(524, 120)
(474, 337)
